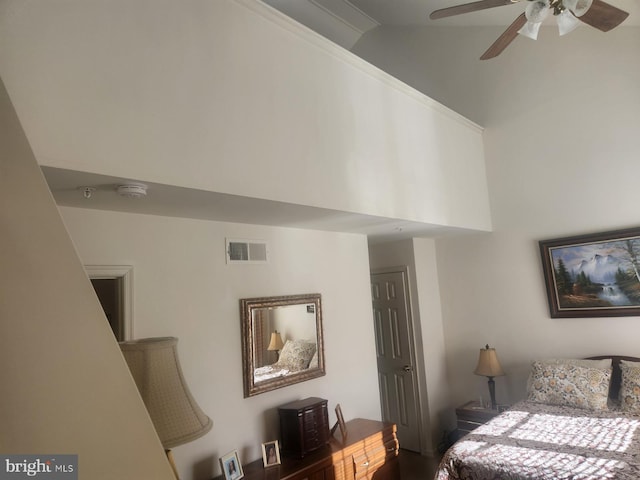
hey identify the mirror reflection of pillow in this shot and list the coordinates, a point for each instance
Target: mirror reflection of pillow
(296, 355)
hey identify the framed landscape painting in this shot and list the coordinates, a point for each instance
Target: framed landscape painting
(595, 275)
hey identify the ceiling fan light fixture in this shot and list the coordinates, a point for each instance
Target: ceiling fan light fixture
(567, 23)
(596, 13)
(530, 30)
(577, 7)
(537, 11)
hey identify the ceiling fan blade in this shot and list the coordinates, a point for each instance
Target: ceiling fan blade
(505, 39)
(469, 7)
(603, 16)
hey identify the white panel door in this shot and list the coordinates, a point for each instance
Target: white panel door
(396, 358)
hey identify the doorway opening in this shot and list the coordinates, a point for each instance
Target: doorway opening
(113, 286)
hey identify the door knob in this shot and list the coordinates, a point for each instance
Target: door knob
(407, 368)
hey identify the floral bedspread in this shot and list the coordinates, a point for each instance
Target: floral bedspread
(533, 441)
(268, 372)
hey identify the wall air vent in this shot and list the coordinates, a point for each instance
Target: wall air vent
(246, 251)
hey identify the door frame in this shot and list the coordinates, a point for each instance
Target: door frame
(415, 333)
(125, 274)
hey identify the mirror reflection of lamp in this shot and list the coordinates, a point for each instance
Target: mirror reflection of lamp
(276, 344)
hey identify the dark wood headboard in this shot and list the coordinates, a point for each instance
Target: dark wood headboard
(616, 374)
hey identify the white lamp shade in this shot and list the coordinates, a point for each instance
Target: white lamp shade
(566, 22)
(530, 30)
(537, 11)
(155, 367)
(488, 364)
(577, 7)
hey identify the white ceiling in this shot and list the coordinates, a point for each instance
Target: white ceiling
(345, 21)
(416, 12)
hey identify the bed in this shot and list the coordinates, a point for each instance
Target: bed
(580, 420)
(268, 372)
(296, 355)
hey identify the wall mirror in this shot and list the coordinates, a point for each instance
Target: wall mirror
(281, 341)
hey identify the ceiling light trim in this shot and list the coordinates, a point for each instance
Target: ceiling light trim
(132, 190)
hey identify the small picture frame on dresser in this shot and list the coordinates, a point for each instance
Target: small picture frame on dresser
(340, 423)
(231, 467)
(270, 453)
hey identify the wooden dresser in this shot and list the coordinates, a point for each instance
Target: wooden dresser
(371, 448)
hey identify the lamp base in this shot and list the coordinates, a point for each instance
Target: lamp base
(172, 463)
(492, 393)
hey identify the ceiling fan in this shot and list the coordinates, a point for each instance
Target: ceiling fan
(568, 13)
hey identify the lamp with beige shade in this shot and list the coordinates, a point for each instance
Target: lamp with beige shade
(176, 416)
(489, 366)
(276, 343)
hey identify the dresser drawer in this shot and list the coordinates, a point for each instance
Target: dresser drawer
(467, 426)
(390, 470)
(311, 442)
(375, 455)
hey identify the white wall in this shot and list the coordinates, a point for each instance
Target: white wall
(66, 388)
(426, 268)
(294, 323)
(562, 141)
(184, 288)
(225, 96)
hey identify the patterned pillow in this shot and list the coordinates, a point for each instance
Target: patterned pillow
(603, 364)
(296, 354)
(570, 385)
(583, 362)
(630, 386)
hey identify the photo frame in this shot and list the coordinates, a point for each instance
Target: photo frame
(595, 275)
(231, 466)
(340, 423)
(271, 453)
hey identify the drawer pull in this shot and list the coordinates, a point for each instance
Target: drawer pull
(365, 464)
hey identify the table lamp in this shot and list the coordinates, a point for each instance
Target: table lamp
(275, 344)
(489, 366)
(176, 416)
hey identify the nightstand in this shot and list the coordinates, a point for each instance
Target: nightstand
(471, 415)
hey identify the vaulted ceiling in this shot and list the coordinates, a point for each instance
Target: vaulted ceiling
(344, 21)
